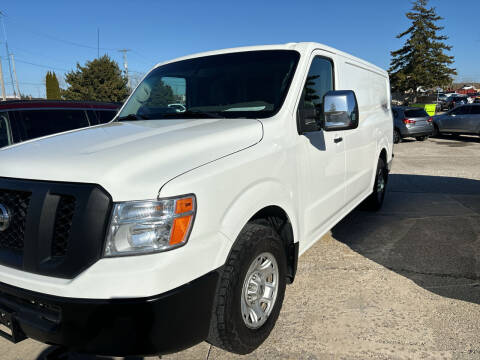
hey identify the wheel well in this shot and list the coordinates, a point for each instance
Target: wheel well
(383, 156)
(277, 218)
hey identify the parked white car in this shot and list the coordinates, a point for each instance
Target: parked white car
(165, 228)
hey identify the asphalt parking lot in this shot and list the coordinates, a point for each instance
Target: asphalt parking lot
(398, 284)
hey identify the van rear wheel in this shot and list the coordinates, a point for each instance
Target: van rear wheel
(375, 201)
(250, 291)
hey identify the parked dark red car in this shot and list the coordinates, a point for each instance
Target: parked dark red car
(25, 120)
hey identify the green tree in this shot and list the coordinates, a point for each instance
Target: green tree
(310, 92)
(422, 61)
(99, 80)
(52, 86)
(161, 95)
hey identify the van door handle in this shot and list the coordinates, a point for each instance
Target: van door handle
(337, 140)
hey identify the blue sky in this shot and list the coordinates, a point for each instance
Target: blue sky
(49, 33)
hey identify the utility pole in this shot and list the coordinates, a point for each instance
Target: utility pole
(125, 64)
(2, 82)
(16, 79)
(8, 52)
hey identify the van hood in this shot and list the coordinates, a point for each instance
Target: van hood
(131, 160)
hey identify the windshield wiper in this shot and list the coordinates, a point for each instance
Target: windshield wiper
(132, 117)
(190, 113)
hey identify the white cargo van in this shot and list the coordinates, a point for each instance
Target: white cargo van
(183, 219)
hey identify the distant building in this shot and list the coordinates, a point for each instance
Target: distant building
(9, 97)
(467, 89)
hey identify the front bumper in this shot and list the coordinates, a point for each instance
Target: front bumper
(161, 324)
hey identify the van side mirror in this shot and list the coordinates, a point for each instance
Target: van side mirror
(340, 109)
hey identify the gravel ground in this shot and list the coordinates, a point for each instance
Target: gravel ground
(402, 283)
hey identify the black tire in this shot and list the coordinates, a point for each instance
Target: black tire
(227, 328)
(396, 136)
(375, 201)
(421, 138)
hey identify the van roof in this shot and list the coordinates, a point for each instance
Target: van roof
(301, 47)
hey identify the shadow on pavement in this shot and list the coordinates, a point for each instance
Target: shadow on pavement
(460, 139)
(408, 140)
(427, 231)
(58, 353)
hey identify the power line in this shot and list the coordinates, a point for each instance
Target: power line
(17, 49)
(145, 60)
(51, 37)
(4, 16)
(27, 83)
(41, 65)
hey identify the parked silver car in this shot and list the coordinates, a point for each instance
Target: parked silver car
(411, 122)
(463, 119)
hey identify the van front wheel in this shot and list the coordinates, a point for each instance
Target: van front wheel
(250, 291)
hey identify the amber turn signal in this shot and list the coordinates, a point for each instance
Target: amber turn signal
(180, 229)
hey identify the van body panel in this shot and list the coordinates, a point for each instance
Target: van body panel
(233, 168)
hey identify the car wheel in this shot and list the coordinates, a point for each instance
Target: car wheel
(375, 201)
(396, 136)
(250, 291)
(421, 138)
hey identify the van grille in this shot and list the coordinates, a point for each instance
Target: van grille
(56, 228)
(63, 225)
(16, 202)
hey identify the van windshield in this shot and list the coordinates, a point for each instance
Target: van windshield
(250, 84)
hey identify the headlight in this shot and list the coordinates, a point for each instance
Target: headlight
(140, 227)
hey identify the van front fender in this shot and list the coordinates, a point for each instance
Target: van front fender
(249, 201)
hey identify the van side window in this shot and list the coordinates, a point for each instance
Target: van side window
(5, 137)
(319, 82)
